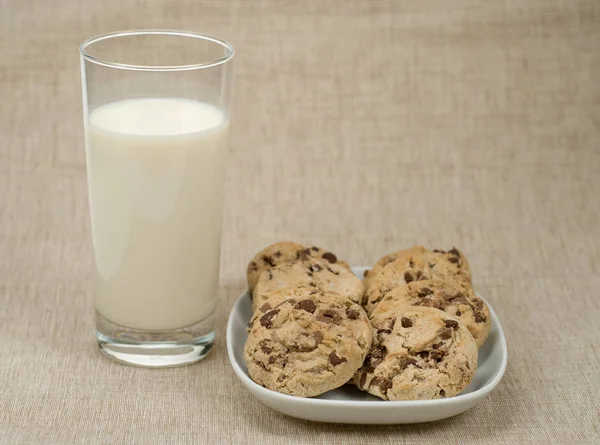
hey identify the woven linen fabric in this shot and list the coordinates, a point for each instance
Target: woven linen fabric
(361, 126)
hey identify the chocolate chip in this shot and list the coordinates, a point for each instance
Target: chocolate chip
(419, 273)
(458, 313)
(423, 278)
(376, 362)
(378, 352)
(352, 314)
(430, 302)
(442, 393)
(265, 307)
(451, 324)
(480, 318)
(390, 324)
(374, 357)
(438, 356)
(332, 271)
(454, 251)
(333, 315)
(318, 336)
(335, 360)
(458, 300)
(424, 292)
(384, 385)
(267, 319)
(316, 249)
(376, 381)
(272, 359)
(305, 348)
(265, 349)
(406, 322)
(446, 334)
(270, 275)
(478, 304)
(407, 362)
(324, 319)
(267, 259)
(439, 251)
(408, 277)
(436, 345)
(423, 354)
(277, 254)
(365, 273)
(315, 267)
(303, 254)
(453, 259)
(308, 306)
(363, 380)
(365, 300)
(330, 257)
(253, 266)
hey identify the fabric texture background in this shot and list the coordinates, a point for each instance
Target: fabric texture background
(361, 126)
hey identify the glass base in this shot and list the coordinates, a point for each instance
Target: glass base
(155, 349)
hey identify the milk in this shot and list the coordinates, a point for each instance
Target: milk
(156, 176)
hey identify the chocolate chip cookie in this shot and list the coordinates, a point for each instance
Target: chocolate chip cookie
(418, 353)
(305, 347)
(417, 264)
(317, 274)
(455, 299)
(285, 252)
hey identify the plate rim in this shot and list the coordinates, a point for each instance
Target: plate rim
(366, 404)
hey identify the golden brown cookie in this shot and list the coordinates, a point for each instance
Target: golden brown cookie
(418, 353)
(305, 347)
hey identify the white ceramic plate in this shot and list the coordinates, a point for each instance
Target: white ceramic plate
(350, 405)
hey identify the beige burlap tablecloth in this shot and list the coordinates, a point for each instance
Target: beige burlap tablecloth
(363, 126)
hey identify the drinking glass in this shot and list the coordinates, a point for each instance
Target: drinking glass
(156, 117)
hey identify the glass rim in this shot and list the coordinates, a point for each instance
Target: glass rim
(169, 32)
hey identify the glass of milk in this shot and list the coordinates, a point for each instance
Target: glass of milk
(156, 116)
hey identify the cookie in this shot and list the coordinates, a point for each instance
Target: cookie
(315, 273)
(418, 353)
(458, 300)
(420, 264)
(453, 256)
(285, 252)
(305, 347)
